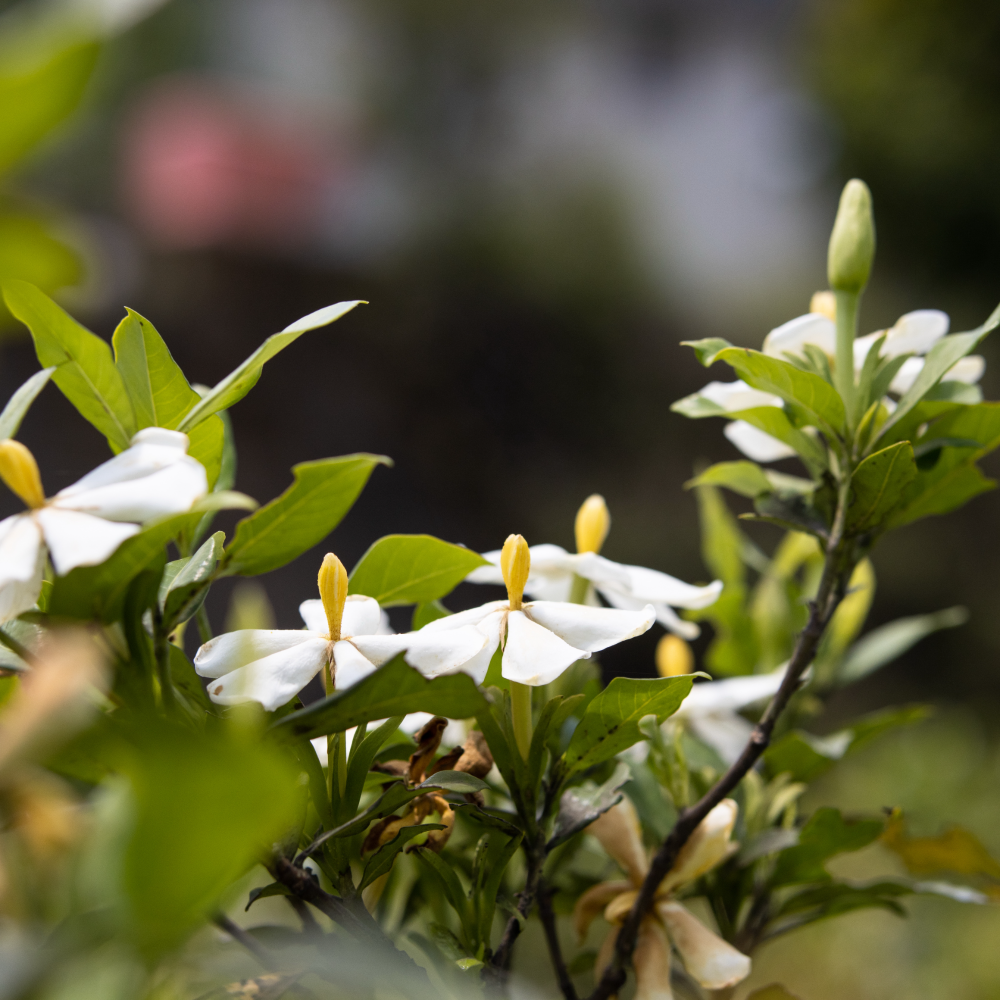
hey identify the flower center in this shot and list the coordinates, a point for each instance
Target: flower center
(592, 524)
(19, 470)
(515, 564)
(333, 593)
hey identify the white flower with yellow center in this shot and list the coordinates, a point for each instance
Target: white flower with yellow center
(83, 524)
(914, 333)
(711, 962)
(554, 572)
(341, 638)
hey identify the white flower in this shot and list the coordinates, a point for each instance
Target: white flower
(628, 588)
(540, 639)
(342, 633)
(914, 333)
(83, 524)
(711, 962)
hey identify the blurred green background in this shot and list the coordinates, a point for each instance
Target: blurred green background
(540, 200)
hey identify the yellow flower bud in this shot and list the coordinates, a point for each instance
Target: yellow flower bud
(333, 592)
(824, 303)
(592, 524)
(673, 656)
(19, 470)
(515, 564)
(852, 242)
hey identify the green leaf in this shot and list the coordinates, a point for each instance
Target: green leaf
(794, 513)
(206, 805)
(812, 394)
(38, 92)
(805, 756)
(393, 798)
(824, 835)
(957, 850)
(321, 494)
(454, 781)
(363, 753)
(19, 404)
(186, 591)
(939, 361)
(582, 804)
(750, 480)
(98, 591)
(453, 890)
(610, 723)
(832, 900)
(188, 683)
(394, 689)
(380, 863)
(888, 642)
(85, 372)
(708, 349)
(412, 569)
(263, 891)
(242, 379)
(877, 486)
(488, 872)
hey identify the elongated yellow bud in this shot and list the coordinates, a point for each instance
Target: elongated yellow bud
(333, 592)
(515, 564)
(592, 524)
(19, 470)
(673, 656)
(852, 242)
(824, 303)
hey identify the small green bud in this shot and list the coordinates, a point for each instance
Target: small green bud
(852, 242)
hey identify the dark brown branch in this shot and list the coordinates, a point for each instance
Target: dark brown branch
(238, 934)
(302, 911)
(548, 917)
(829, 595)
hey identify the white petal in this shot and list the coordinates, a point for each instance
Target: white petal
(314, 616)
(733, 396)
(487, 574)
(350, 665)
(711, 962)
(791, 337)
(322, 747)
(432, 653)
(471, 617)
(731, 694)
(76, 539)
(273, 680)
(655, 587)
(362, 616)
(969, 369)
(169, 490)
(22, 560)
(755, 443)
(226, 652)
(591, 629)
(152, 449)
(665, 614)
(534, 655)
(600, 571)
(915, 333)
(651, 962)
(705, 848)
(620, 835)
(906, 375)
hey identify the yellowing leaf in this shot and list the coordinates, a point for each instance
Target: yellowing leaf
(956, 850)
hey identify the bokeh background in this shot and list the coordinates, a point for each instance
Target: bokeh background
(539, 200)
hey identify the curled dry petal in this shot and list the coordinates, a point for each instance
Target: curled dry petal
(710, 961)
(706, 847)
(446, 762)
(476, 758)
(428, 739)
(651, 961)
(620, 835)
(590, 904)
(618, 909)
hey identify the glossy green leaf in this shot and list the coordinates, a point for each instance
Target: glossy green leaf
(380, 863)
(242, 379)
(454, 781)
(394, 689)
(363, 751)
(19, 404)
(888, 642)
(321, 494)
(811, 393)
(264, 891)
(491, 862)
(877, 486)
(832, 900)
(750, 480)
(453, 890)
(582, 804)
(708, 349)
(186, 591)
(794, 513)
(610, 723)
(85, 371)
(412, 569)
(825, 834)
(207, 804)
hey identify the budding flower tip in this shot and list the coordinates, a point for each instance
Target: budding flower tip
(19, 470)
(333, 584)
(852, 242)
(592, 524)
(515, 565)
(673, 656)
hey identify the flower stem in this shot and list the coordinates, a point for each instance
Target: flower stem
(578, 592)
(847, 329)
(520, 706)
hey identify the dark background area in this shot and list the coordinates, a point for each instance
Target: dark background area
(539, 201)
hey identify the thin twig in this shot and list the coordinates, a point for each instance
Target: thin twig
(548, 918)
(238, 934)
(829, 595)
(309, 925)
